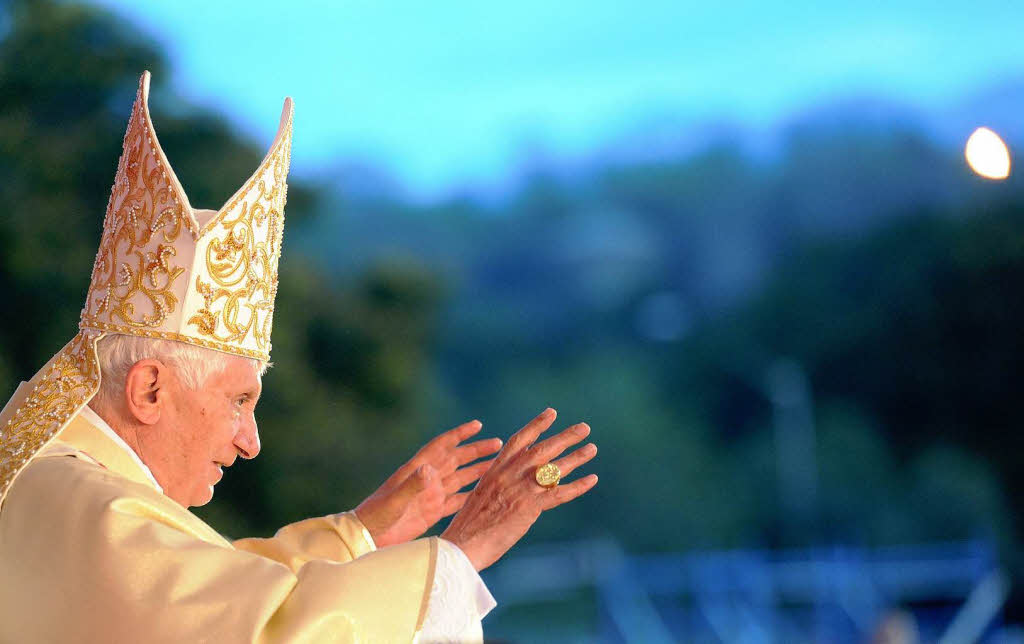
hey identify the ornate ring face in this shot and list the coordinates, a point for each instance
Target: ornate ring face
(548, 475)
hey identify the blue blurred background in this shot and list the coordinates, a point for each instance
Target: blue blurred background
(740, 241)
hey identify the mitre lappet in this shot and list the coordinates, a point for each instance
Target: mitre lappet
(163, 270)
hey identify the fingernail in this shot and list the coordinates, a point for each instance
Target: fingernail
(591, 448)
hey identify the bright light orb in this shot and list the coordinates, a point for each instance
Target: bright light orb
(987, 154)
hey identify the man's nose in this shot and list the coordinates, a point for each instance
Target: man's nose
(247, 441)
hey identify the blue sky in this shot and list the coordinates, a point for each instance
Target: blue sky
(445, 93)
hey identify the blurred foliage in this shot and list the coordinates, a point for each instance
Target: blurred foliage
(649, 298)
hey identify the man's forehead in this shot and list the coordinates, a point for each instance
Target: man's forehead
(243, 373)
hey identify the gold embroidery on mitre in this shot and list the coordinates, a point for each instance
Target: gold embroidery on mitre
(213, 287)
(135, 273)
(57, 393)
(242, 250)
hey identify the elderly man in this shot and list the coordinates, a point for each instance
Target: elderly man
(132, 422)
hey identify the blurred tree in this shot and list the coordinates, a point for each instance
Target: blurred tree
(919, 323)
(914, 331)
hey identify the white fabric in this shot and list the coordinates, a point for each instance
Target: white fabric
(459, 599)
(88, 414)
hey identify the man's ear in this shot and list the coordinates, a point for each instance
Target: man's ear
(144, 389)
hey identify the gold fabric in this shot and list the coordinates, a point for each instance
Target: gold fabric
(42, 407)
(90, 551)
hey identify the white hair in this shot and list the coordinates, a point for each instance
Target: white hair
(118, 353)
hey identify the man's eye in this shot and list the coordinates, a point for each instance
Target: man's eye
(241, 401)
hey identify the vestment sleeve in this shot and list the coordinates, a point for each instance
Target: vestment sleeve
(337, 537)
(88, 556)
(459, 599)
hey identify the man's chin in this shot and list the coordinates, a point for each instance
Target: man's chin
(201, 497)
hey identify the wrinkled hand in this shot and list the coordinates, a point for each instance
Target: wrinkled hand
(426, 488)
(508, 498)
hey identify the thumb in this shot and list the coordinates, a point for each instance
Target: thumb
(419, 481)
(426, 474)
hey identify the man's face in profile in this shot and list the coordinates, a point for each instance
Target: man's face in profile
(201, 432)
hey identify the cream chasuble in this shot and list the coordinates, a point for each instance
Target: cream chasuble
(91, 551)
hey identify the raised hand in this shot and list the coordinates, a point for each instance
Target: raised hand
(426, 488)
(508, 499)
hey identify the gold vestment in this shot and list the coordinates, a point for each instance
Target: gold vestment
(91, 551)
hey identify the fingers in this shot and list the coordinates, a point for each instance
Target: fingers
(568, 492)
(570, 462)
(454, 436)
(546, 450)
(465, 430)
(454, 503)
(475, 450)
(463, 477)
(527, 435)
(442, 451)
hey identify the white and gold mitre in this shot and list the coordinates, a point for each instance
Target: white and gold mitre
(163, 270)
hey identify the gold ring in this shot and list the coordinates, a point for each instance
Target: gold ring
(548, 475)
